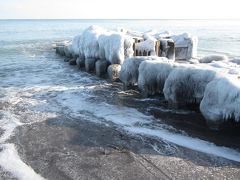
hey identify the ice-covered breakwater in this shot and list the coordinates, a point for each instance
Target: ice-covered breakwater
(161, 64)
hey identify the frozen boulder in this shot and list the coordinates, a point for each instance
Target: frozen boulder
(113, 72)
(101, 66)
(80, 62)
(88, 43)
(75, 45)
(115, 47)
(185, 46)
(68, 51)
(60, 50)
(167, 47)
(152, 75)
(90, 64)
(210, 58)
(73, 62)
(186, 85)
(221, 101)
(146, 48)
(129, 70)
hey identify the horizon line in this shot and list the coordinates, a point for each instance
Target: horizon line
(119, 19)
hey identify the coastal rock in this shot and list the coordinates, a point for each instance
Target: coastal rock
(88, 43)
(101, 66)
(186, 85)
(115, 47)
(113, 72)
(210, 58)
(72, 62)
(90, 64)
(167, 47)
(129, 70)
(152, 75)
(60, 50)
(185, 46)
(68, 51)
(80, 62)
(221, 101)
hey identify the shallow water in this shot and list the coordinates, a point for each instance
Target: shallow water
(37, 86)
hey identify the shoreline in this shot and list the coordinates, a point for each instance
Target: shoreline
(98, 151)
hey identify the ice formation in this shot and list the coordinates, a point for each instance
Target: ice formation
(186, 85)
(113, 72)
(211, 58)
(75, 45)
(101, 66)
(193, 82)
(221, 100)
(115, 47)
(185, 46)
(167, 47)
(147, 45)
(152, 75)
(129, 69)
(88, 42)
(68, 50)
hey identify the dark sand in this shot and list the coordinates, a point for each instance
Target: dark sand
(76, 149)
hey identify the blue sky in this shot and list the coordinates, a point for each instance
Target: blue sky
(119, 9)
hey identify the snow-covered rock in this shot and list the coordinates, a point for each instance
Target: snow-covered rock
(185, 46)
(152, 75)
(221, 101)
(90, 64)
(68, 50)
(101, 66)
(211, 58)
(80, 62)
(115, 47)
(186, 84)
(167, 47)
(129, 70)
(113, 72)
(72, 62)
(88, 43)
(75, 45)
(148, 46)
(60, 50)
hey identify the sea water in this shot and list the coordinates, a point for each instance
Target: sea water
(36, 85)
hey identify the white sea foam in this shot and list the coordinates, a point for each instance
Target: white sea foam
(9, 158)
(10, 161)
(188, 142)
(133, 121)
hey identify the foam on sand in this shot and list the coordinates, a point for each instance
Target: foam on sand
(188, 142)
(10, 161)
(135, 122)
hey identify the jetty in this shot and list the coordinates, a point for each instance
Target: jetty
(161, 64)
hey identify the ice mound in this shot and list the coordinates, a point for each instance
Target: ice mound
(152, 75)
(129, 69)
(75, 45)
(88, 42)
(68, 50)
(115, 47)
(221, 101)
(185, 46)
(147, 45)
(186, 84)
(211, 58)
